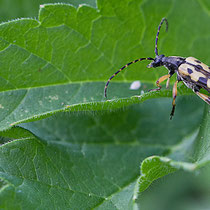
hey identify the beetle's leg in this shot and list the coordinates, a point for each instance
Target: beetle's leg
(174, 98)
(204, 97)
(161, 79)
(167, 83)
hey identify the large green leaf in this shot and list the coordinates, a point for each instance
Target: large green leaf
(62, 59)
(88, 158)
(91, 159)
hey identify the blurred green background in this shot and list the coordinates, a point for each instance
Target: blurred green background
(180, 191)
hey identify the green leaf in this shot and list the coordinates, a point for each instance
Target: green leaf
(180, 190)
(88, 157)
(63, 60)
(155, 167)
(91, 159)
(25, 8)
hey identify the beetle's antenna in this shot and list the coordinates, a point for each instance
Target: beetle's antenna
(156, 40)
(140, 59)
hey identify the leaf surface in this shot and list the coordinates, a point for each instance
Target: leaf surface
(85, 155)
(63, 60)
(97, 172)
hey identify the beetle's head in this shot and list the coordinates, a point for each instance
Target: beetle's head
(158, 61)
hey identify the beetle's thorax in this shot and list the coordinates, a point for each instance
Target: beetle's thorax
(172, 63)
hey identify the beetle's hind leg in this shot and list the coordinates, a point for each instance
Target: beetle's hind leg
(204, 97)
(174, 98)
(161, 79)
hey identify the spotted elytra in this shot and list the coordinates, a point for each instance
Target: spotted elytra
(192, 72)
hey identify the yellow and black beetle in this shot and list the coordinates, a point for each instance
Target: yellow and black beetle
(191, 71)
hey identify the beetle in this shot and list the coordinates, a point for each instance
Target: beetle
(192, 72)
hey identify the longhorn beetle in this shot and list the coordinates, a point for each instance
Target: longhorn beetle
(191, 71)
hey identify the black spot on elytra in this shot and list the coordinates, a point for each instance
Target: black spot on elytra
(197, 61)
(199, 66)
(190, 71)
(202, 80)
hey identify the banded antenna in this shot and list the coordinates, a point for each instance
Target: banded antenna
(140, 59)
(159, 27)
(128, 64)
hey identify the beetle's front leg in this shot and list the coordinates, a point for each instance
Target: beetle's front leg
(168, 83)
(161, 79)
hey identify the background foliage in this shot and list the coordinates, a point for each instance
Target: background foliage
(89, 154)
